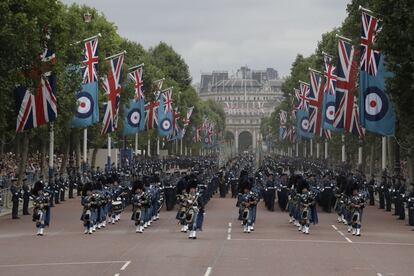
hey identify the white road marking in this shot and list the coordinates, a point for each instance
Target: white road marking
(342, 234)
(348, 239)
(116, 274)
(379, 274)
(208, 271)
(229, 232)
(125, 265)
(55, 264)
(328, 241)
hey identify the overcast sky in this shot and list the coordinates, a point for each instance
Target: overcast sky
(225, 34)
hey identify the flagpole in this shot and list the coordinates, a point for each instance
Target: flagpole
(113, 56)
(343, 158)
(149, 148)
(158, 146)
(305, 151)
(136, 144)
(116, 157)
(297, 149)
(181, 146)
(326, 149)
(360, 153)
(85, 147)
(109, 151)
(384, 153)
(311, 148)
(317, 150)
(51, 150)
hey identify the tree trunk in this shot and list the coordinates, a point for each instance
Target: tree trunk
(410, 170)
(3, 140)
(372, 159)
(23, 158)
(65, 158)
(43, 163)
(17, 148)
(94, 153)
(77, 152)
(390, 154)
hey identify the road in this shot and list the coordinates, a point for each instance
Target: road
(386, 246)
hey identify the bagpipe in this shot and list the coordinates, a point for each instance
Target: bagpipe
(181, 200)
(138, 202)
(357, 204)
(191, 208)
(247, 201)
(306, 202)
(40, 205)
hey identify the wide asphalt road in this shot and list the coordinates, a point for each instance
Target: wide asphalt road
(386, 246)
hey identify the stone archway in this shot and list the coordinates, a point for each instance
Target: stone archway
(245, 141)
(229, 138)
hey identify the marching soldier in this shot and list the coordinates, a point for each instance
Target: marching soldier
(41, 210)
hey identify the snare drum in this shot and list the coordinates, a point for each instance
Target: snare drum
(116, 206)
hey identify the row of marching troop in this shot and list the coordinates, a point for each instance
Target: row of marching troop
(300, 185)
(147, 186)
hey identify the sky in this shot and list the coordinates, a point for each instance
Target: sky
(226, 34)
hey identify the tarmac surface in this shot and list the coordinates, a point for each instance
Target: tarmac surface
(386, 246)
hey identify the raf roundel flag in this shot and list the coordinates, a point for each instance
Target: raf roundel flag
(134, 117)
(165, 120)
(87, 110)
(303, 124)
(376, 111)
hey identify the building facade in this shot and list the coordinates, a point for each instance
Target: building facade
(247, 97)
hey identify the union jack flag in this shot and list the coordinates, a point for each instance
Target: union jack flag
(296, 99)
(136, 76)
(345, 87)
(158, 87)
(197, 135)
(151, 117)
(283, 117)
(304, 96)
(112, 87)
(371, 26)
(40, 108)
(330, 75)
(167, 94)
(315, 100)
(90, 62)
(176, 133)
(188, 115)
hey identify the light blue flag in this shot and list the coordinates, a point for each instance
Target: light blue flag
(87, 110)
(302, 117)
(376, 111)
(134, 117)
(165, 124)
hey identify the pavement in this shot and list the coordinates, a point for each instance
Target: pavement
(386, 246)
